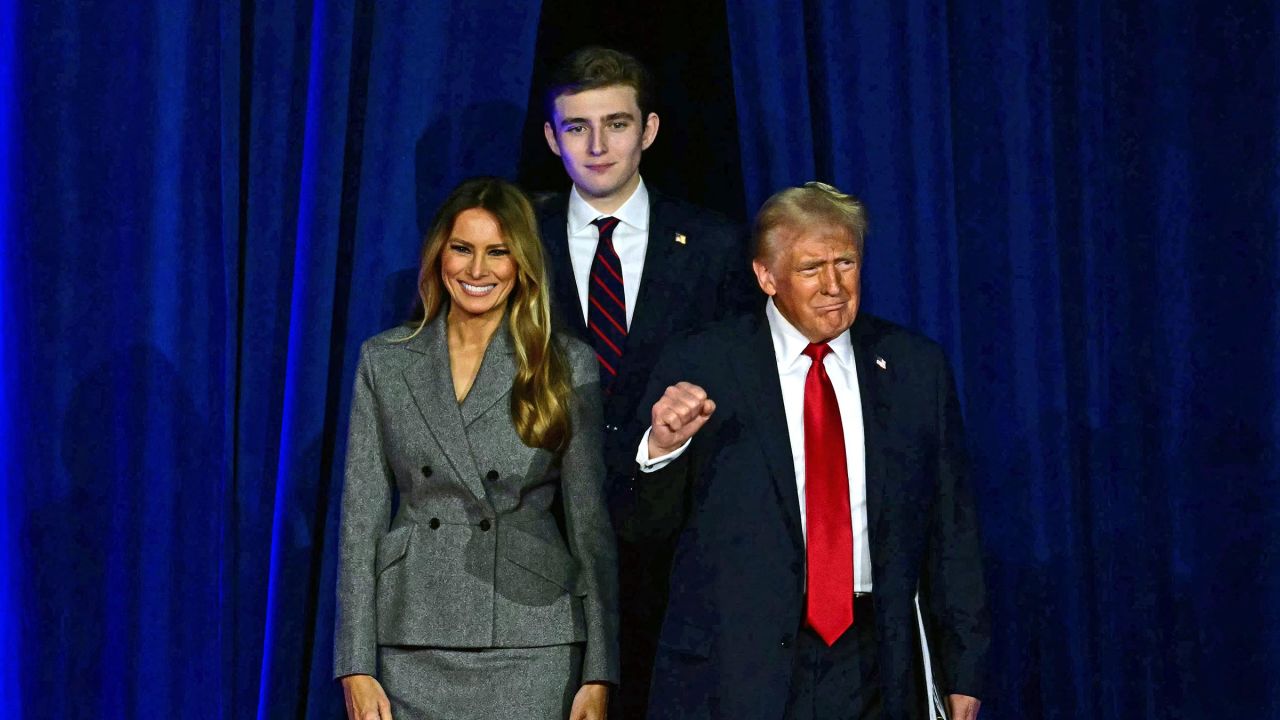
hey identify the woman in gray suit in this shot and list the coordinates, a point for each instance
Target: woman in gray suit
(469, 601)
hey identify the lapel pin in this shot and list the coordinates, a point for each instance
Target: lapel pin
(880, 363)
(681, 239)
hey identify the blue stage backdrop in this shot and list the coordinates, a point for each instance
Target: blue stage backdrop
(204, 207)
(213, 203)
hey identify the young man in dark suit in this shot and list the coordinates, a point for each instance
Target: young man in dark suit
(630, 267)
(810, 460)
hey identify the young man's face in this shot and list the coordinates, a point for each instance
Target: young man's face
(599, 135)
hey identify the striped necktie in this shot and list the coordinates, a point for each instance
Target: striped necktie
(607, 304)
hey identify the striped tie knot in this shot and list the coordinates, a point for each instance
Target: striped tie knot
(606, 225)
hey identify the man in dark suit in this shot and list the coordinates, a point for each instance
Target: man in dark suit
(630, 267)
(810, 460)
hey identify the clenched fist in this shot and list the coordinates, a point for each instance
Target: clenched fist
(681, 411)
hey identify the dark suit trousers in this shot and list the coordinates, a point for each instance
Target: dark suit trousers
(841, 681)
(643, 572)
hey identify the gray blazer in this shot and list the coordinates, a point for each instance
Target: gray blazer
(473, 557)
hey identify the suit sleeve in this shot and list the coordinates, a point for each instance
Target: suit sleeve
(590, 534)
(953, 587)
(366, 512)
(653, 506)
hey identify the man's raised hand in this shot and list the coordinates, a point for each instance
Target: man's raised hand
(681, 411)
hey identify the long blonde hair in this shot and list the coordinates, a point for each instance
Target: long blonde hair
(543, 384)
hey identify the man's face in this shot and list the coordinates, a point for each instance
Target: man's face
(599, 135)
(815, 278)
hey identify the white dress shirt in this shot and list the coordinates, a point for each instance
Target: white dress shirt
(630, 241)
(793, 367)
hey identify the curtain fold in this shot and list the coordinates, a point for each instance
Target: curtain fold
(205, 208)
(1078, 200)
(11, 396)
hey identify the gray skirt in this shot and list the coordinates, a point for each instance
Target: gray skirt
(485, 684)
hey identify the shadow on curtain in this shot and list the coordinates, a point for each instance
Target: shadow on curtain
(205, 209)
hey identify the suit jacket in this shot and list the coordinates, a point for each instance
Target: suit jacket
(683, 286)
(737, 582)
(473, 557)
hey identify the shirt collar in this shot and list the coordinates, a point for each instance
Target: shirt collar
(789, 343)
(634, 212)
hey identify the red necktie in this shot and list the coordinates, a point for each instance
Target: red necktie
(829, 546)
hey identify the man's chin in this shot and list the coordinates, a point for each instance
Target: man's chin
(597, 191)
(838, 326)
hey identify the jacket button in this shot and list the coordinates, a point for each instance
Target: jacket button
(485, 525)
(435, 523)
(426, 471)
(786, 641)
(492, 475)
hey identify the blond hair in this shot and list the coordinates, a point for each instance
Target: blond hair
(809, 206)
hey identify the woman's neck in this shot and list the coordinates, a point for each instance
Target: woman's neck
(471, 331)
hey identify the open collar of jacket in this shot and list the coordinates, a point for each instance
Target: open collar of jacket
(661, 280)
(757, 375)
(430, 381)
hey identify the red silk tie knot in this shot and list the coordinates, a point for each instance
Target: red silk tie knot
(817, 352)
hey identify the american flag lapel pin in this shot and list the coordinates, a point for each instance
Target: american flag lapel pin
(681, 239)
(880, 363)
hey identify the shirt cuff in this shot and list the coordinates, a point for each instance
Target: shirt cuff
(656, 464)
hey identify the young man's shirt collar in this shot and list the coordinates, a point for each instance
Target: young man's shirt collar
(634, 212)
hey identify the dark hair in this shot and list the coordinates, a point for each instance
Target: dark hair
(591, 68)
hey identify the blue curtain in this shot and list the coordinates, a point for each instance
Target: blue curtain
(204, 207)
(1080, 201)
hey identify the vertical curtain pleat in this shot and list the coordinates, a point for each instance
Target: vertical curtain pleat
(205, 207)
(12, 290)
(121, 328)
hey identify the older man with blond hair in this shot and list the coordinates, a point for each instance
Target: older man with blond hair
(811, 462)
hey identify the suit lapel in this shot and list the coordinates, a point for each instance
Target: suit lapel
(564, 289)
(431, 385)
(873, 391)
(757, 371)
(664, 267)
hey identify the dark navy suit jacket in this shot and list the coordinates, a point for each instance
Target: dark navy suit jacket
(684, 286)
(737, 580)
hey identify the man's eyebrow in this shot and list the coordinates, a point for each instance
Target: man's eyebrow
(624, 115)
